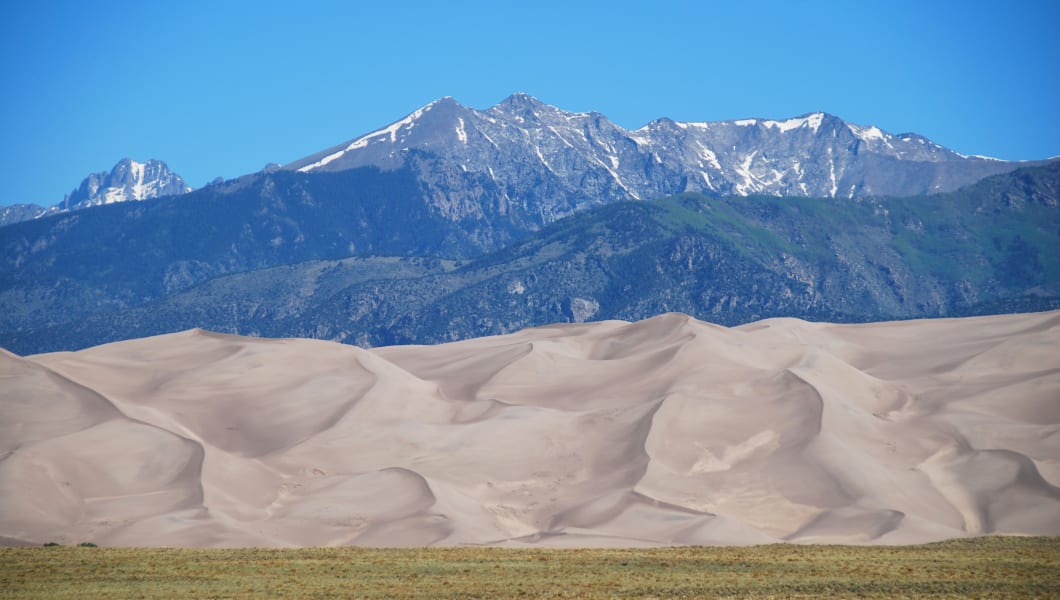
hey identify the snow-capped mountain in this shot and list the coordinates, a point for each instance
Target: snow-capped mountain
(128, 180)
(536, 162)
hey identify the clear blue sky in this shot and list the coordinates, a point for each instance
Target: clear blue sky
(221, 88)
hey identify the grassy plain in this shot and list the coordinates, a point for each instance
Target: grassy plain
(994, 567)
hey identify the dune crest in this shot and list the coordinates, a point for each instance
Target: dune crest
(666, 431)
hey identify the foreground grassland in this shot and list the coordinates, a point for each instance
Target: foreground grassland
(986, 567)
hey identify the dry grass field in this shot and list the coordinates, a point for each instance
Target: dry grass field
(994, 567)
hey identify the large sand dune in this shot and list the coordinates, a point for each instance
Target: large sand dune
(666, 431)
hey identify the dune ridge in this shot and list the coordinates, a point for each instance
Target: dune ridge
(660, 432)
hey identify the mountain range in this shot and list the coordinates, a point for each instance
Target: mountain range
(524, 163)
(129, 180)
(455, 222)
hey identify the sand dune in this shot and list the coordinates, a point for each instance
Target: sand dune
(666, 431)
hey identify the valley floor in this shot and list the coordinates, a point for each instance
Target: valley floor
(996, 567)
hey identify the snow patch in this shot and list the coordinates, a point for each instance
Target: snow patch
(746, 122)
(541, 157)
(811, 121)
(750, 182)
(708, 155)
(640, 138)
(461, 134)
(706, 179)
(113, 195)
(489, 139)
(867, 134)
(561, 138)
(831, 173)
(614, 175)
(376, 136)
(333, 156)
(138, 179)
(394, 127)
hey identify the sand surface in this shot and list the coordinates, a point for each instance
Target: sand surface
(666, 431)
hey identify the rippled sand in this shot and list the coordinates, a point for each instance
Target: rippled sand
(666, 431)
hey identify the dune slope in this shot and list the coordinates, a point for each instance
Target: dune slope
(666, 431)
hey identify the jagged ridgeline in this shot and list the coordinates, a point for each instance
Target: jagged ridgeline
(363, 256)
(128, 181)
(547, 161)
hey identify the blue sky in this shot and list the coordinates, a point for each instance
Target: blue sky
(221, 88)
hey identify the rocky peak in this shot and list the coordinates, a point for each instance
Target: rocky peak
(128, 180)
(533, 163)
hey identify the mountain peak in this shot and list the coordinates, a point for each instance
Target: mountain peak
(128, 180)
(520, 97)
(443, 102)
(519, 101)
(529, 148)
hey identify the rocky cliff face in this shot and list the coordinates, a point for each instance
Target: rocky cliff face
(128, 180)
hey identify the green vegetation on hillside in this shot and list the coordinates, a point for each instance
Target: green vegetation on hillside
(995, 567)
(993, 247)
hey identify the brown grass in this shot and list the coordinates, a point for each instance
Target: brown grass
(995, 567)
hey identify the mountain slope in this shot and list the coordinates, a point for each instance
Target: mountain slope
(733, 260)
(993, 247)
(66, 267)
(533, 163)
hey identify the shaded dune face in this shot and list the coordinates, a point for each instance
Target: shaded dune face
(666, 431)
